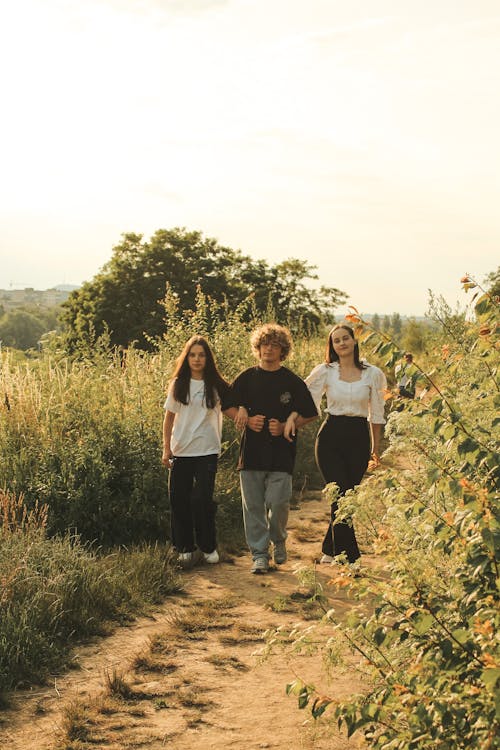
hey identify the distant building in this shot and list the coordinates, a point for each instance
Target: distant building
(11, 298)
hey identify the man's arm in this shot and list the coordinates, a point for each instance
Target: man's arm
(255, 423)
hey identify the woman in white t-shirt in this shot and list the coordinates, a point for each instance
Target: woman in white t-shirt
(354, 392)
(192, 429)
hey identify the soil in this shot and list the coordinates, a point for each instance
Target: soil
(195, 674)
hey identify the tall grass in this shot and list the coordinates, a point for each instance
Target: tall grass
(54, 590)
(83, 436)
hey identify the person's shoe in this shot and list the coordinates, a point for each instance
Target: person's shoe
(185, 557)
(260, 565)
(211, 557)
(326, 560)
(280, 555)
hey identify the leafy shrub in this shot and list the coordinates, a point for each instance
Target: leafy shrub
(431, 647)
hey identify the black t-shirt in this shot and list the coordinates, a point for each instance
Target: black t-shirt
(275, 394)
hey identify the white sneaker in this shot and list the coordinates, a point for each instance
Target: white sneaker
(211, 557)
(326, 560)
(185, 557)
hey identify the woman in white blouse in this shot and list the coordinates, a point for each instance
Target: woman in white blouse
(354, 393)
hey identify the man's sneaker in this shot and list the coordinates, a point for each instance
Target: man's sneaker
(326, 560)
(185, 557)
(260, 565)
(280, 555)
(211, 557)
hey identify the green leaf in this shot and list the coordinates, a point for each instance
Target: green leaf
(467, 446)
(490, 677)
(422, 623)
(461, 635)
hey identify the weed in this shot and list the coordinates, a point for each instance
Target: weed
(117, 687)
(76, 722)
(223, 661)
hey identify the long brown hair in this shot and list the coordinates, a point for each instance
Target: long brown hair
(332, 356)
(215, 384)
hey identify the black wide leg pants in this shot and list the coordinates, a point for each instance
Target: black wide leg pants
(191, 489)
(342, 454)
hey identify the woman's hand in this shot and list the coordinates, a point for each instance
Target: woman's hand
(166, 456)
(374, 462)
(290, 427)
(241, 419)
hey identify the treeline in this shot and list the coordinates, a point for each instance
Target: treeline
(126, 299)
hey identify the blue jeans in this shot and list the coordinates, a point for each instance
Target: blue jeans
(266, 502)
(191, 489)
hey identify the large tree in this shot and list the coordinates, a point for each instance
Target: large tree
(125, 296)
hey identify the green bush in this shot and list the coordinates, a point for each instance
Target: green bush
(431, 649)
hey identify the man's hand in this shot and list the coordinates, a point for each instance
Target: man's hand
(166, 456)
(276, 427)
(256, 423)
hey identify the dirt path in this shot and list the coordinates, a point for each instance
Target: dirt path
(191, 676)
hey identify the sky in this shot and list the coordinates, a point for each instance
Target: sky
(360, 136)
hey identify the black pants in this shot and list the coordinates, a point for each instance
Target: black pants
(342, 455)
(191, 489)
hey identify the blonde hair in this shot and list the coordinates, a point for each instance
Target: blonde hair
(272, 333)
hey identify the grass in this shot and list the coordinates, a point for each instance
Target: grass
(56, 591)
(224, 661)
(195, 620)
(116, 686)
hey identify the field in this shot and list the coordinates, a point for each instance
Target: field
(84, 538)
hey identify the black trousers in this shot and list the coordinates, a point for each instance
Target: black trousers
(342, 454)
(191, 489)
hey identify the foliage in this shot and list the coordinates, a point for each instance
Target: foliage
(53, 591)
(20, 329)
(125, 297)
(23, 327)
(430, 648)
(493, 282)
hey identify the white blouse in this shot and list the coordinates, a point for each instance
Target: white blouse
(197, 430)
(363, 398)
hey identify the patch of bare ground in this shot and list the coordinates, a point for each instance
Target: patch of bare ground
(193, 676)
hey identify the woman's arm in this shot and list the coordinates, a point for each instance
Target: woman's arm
(376, 431)
(168, 423)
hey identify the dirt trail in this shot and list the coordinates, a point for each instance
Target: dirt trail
(190, 676)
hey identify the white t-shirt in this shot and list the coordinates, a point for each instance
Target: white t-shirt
(363, 398)
(197, 431)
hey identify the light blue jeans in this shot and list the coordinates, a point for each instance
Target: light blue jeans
(265, 498)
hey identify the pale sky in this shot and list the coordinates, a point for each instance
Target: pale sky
(360, 135)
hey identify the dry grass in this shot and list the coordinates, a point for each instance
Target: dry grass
(118, 687)
(224, 661)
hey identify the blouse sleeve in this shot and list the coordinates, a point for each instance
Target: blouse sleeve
(316, 382)
(377, 401)
(171, 404)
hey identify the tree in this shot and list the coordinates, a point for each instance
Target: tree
(396, 323)
(493, 283)
(124, 298)
(20, 329)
